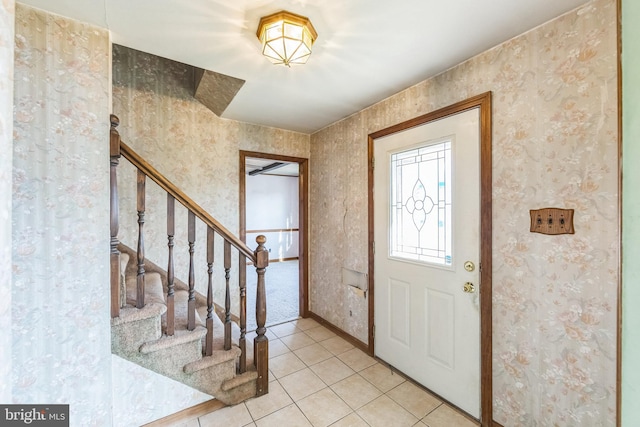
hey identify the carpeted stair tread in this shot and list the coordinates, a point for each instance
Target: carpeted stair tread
(181, 303)
(239, 380)
(132, 314)
(180, 337)
(218, 329)
(218, 356)
(152, 289)
(139, 335)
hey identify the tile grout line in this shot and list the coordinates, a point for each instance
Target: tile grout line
(353, 411)
(355, 372)
(307, 366)
(330, 387)
(381, 391)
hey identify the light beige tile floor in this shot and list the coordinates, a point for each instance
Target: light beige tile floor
(318, 379)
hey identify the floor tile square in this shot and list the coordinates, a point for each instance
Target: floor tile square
(229, 416)
(289, 416)
(357, 359)
(277, 348)
(297, 340)
(414, 399)
(313, 354)
(301, 384)
(323, 408)
(304, 324)
(285, 364)
(384, 412)
(382, 377)
(323, 380)
(332, 370)
(320, 333)
(351, 420)
(271, 402)
(284, 329)
(356, 391)
(446, 416)
(336, 345)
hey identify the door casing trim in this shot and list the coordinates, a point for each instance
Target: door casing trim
(303, 218)
(483, 102)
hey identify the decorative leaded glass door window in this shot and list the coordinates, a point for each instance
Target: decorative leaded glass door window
(420, 218)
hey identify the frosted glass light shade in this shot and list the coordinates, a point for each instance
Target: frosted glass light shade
(286, 38)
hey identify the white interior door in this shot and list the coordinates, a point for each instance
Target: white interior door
(426, 233)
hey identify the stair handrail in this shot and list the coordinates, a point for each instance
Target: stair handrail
(185, 200)
(259, 258)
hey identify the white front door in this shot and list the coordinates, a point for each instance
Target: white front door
(427, 250)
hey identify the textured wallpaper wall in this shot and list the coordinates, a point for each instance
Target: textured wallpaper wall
(60, 217)
(554, 144)
(7, 17)
(192, 147)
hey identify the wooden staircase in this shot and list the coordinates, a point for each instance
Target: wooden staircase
(161, 323)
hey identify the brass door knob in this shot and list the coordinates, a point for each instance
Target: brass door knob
(469, 288)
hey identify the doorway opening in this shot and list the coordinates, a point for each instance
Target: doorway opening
(273, 194)
(395, 290)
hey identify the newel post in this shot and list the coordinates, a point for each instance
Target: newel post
(114, 153)
(261, 342)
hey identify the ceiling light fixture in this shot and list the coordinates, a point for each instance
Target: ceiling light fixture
(286, 38)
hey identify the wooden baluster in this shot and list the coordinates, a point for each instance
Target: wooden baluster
(227, 298)
(141, 207)
(114, 152)
(191, 307)
(261, 342)
(171, 228)
(209, 340)
(242, 277)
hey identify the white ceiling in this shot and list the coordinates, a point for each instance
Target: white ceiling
(366, 50)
